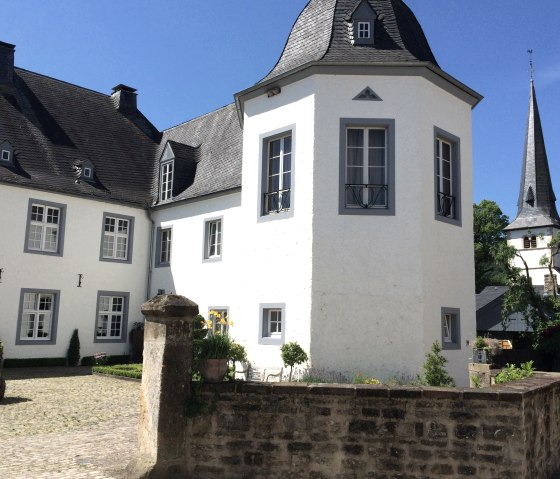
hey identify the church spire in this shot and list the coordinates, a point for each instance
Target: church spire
(536, 206)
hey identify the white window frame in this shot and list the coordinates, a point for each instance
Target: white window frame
(213, 239)
(364, 27)
(38, 228)
(166, 181)
(443, 180)
(111, 239)
(88, 172)
(216, 325)
(50, 315)
(284, 192)
(7, 158)
(272, 314)
(113, 316)
(447, 328)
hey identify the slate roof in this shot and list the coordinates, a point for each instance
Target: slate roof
(218, 140)
(322, 34)
(55, 126)
(536, 205)
(489, 294)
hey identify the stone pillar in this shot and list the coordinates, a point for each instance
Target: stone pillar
(166, 382)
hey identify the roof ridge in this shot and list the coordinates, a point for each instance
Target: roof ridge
(197, 117)
(63, 82)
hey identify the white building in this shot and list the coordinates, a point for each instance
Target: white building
(329, 205)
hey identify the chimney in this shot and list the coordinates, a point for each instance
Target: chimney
(124, 99)
(6, 63)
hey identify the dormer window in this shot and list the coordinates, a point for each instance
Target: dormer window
(88, 173)
(362, 22)
(6, 153)
(166, 170)
(364, 30)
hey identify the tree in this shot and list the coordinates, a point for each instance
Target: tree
(73, 355)
(292, 354)
(489, 222)
(435, 373)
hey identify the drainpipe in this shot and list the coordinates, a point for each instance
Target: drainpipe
(150, 267)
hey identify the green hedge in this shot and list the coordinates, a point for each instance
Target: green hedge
(125, 370)
(34, 362)
(109, 360)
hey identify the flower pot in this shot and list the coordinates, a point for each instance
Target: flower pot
(213, 370)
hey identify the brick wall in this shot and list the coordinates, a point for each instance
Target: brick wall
(352, 432)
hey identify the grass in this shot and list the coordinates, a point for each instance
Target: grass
(126, 370)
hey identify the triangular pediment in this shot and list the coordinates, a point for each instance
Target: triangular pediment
(367, 94)
(167, 153)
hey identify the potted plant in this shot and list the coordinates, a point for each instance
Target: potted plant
(480, 351)
(214, 349)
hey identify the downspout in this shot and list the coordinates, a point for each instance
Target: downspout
(150, 268)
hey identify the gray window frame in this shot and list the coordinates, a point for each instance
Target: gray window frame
(54, 324)
(264, 336)
(61, 227)
(264, 140)
(455, 141)
(205, 250)
(455, 328)
(130, 219)
(124, 324)
(389, 125)
(159, 236)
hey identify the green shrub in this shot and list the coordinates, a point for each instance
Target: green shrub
(361, 378)
(435, 373)
(125, 370)
(513, 373)
(73, 354)
(110, 360)
(34, 362)
(292, 354)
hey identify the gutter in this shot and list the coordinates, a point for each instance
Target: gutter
(150, 267)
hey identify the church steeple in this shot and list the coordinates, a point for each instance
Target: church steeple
(536, 206)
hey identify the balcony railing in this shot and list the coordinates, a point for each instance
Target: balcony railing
(446, 205)
(277, 201)
(366, 196)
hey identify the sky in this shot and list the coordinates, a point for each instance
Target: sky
(188, 58)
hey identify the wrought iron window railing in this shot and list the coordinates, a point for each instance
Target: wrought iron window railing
(366, 196)
(446, 205)
(277, 201)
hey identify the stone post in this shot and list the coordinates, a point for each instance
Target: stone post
(166, 382)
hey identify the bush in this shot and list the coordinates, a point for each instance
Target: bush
(434, 369)
(513, 373)
(34, 362)
(73, 354)
(292, 354)
(110, 360)
(133, 371)
(360, 378)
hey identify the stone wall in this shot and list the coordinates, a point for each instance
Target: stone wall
(351, 432)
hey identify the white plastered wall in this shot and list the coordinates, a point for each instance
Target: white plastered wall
(82, 239)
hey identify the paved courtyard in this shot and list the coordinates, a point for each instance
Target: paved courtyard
(65, 423)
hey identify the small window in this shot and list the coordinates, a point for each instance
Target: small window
(447, 178)
(213, 239)
(220, 319)
(364, 30)
(529, 242)
(166, 183)
(116, 243)
(272, 327)
(6, 152)
(6, 156)
(38, 316)
(450, 328)
(367, 167)
(111, 317)
(163, 247)
(88, 173)
(45, 228)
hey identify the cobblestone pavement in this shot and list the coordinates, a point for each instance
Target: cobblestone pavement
(65, 423)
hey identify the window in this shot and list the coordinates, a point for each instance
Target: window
(6, 152)
(163, 247)
(6, 156)
(116, 244)
(529, 242)
(450, 328)
(88, 173)
(447, 180)
(279, 175)
(37, 319)
(166, 184)
(364, 30)
(220, 319)
(213, 239)
(45, 228)
(272, 328)
(367, 167)
(111, 316)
